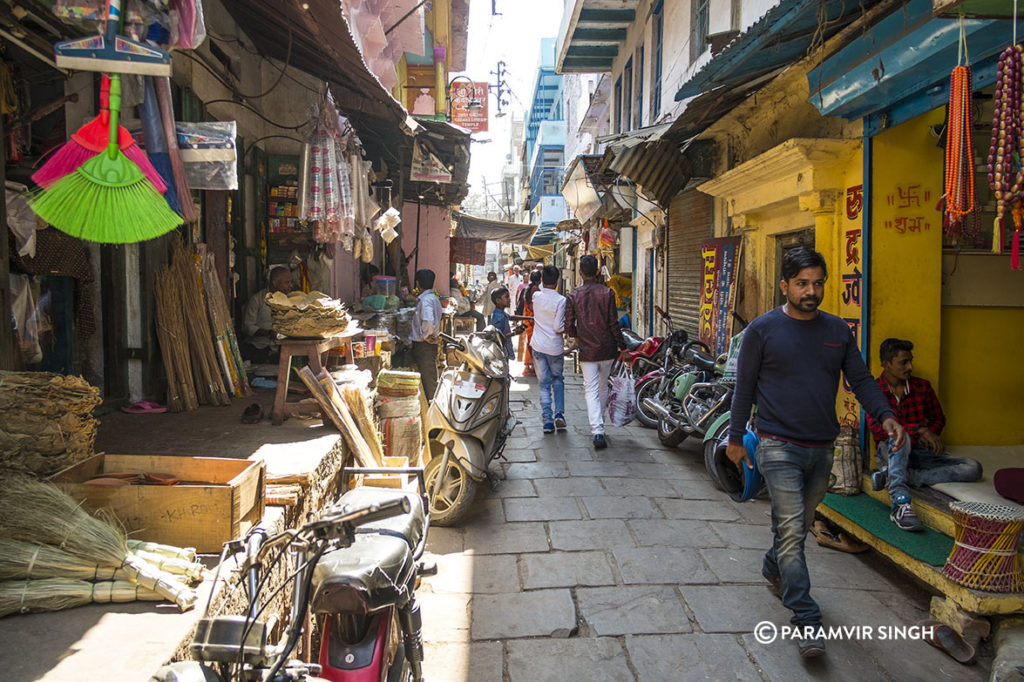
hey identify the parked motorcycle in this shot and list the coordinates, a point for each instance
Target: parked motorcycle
(647, 355)
(468, 423)
(358, 565)
(655, 386)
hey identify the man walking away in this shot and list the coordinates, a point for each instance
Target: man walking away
(789, 364)
(923, 459)
(590, 317)
(546, 342)
(426, 323)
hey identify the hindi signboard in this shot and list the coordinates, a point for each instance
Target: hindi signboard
(718, 290)
(472, 119)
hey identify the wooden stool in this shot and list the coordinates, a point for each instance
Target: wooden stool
(316, 351)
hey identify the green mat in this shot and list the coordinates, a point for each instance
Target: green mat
(873, 516)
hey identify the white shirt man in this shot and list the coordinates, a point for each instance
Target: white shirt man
(548, 361)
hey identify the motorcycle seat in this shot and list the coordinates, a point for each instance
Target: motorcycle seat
(703, 363)
(632, 340)
(371, 574)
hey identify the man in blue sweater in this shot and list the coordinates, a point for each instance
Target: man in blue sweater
(789, 364)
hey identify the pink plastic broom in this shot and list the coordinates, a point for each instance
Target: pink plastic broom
(90, 140)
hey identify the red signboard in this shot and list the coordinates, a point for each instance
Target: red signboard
(473, 119)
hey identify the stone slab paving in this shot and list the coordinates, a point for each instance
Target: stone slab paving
(628, 564)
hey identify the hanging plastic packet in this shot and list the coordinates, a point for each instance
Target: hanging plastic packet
(208, 150)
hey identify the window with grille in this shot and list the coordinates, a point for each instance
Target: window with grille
(657, 35)
(699, 31)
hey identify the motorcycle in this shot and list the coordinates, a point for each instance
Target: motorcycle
(653, 389)
(357, 566)
(644, 356)
(468, 423)
(696, 398)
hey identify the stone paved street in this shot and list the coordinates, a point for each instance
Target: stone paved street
(627, 564)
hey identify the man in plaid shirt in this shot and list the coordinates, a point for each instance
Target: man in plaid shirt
(923, 459)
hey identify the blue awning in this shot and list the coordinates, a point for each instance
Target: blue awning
(903, 63)
(782, 36)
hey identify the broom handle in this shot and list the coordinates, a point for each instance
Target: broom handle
(113, 20)
(105, 99)
(115, 113)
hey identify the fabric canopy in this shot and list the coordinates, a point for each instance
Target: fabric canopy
(493, 230)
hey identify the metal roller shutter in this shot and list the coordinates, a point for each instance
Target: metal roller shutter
(689, 224)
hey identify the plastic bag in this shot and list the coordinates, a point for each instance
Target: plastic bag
(208, 150)
(845, 478)
(622, 399)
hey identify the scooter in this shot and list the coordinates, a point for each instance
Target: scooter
(468, 423)
(357, 565)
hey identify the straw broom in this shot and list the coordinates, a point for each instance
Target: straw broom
(220, 318)
(56, 594)
(186, 553)
(40, 512)
(356, 401)
(20, 560)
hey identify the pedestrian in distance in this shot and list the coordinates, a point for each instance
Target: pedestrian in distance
(426, 324)
(492, 285)
(524, 309)
(546, 343)
(789, 364)
(591, 318)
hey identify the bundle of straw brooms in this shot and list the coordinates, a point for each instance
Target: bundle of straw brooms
(54, 555)
(186, 339)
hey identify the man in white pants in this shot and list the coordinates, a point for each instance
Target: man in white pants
(592, 319)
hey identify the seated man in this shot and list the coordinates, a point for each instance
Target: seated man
(463, 306)
(257, 343)
(923, 459)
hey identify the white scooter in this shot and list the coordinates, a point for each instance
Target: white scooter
(468, 423)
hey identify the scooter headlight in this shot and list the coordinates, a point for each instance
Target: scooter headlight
(497, 367)
(489, 407)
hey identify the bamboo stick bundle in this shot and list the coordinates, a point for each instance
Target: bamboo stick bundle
(355, 398)
(174, 337)
(207, 376)
(57, 594)
(193, 570)
(21, 560)
(39, 512)
(186, 553)
(336, 410)
(220, 318)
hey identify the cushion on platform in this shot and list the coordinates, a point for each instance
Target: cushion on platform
(992, 458)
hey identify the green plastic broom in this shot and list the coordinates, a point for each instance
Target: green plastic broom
(108, 199)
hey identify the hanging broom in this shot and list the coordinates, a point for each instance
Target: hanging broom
(56, 594)
(40, 512)
(163, 97)
(90, 140)
(108, 199)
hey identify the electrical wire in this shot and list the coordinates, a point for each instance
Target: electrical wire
(257, 113)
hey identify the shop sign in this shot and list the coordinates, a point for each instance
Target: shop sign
(850, 293)
(718, 291)
(473, 120)
(426, 167)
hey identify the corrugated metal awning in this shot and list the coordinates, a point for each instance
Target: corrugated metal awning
(652, 162)
(779, 38)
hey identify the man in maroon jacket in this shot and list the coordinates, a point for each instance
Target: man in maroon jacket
(922, 460)
(592, 319)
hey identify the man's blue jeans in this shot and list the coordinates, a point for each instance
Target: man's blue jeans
(549, 374)
(916, 465)
(797, 478)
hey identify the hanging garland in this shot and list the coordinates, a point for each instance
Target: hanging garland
(961, 216)
(1005, 174)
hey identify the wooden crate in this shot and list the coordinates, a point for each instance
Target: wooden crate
(217, 499)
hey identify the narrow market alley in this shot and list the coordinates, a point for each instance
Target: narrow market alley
(628, 564)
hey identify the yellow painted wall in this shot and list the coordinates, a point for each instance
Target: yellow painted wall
(906, 242)
(982, 388)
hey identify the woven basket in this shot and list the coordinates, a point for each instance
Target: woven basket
(984, 555)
